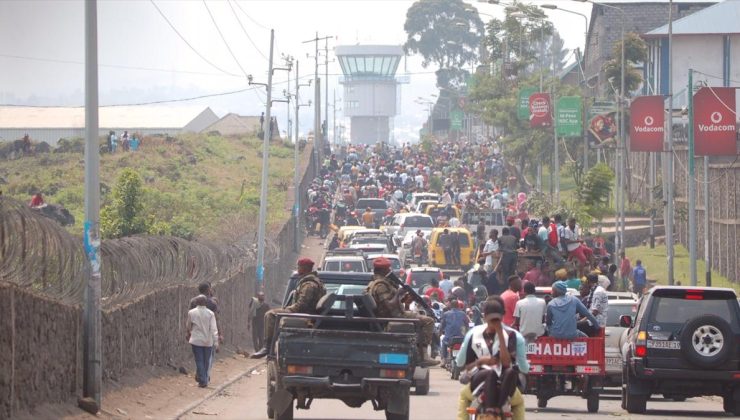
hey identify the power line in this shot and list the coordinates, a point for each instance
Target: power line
(187, 43)
(250, 17)
(120, 66)
(222, 37)
(245, 31)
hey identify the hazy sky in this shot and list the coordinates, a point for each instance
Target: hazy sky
(132, 33)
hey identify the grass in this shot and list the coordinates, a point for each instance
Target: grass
(655, 262)
(209, 183)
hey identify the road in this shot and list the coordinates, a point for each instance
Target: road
(245, 399)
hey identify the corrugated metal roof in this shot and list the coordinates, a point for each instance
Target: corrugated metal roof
(127, 116)
(719, 19)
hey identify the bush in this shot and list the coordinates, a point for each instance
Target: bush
(124, 215)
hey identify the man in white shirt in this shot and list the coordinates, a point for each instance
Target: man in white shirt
(203, 337)
(529, 314)
(490, 248)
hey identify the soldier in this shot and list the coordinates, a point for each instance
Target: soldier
(389, 305)
(308, 291)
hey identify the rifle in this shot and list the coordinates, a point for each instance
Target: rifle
(415, 296)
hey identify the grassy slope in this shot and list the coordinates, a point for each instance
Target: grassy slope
(656, 265)
(203, 195)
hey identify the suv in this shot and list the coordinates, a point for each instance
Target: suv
(684, 342)
(345, 260)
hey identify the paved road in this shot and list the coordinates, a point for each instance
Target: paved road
(245, 399)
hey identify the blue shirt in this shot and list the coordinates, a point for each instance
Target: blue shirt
(639, 274)
(561, 316)
(454, 321)
(521, 348)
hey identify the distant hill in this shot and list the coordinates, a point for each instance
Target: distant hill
(204, 186)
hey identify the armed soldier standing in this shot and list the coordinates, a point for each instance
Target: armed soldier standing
(388, 299)
(308, 291)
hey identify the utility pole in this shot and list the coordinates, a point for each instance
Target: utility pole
(267, 135)
(317, 136)
(92, 345)
(692, 183)
(297, 176)
(707, 242)
(326, 88)
(668, 161)
(288, 59)
(334, 119)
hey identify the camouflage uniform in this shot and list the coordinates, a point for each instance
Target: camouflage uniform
(385, 295)
(308, 291)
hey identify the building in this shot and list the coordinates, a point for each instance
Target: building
(370, 90)
(605, 28)
(201, 121)
(708, 42)
(49, 124)
(233, 124)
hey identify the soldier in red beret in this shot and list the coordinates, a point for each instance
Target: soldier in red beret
(388, 299)
(308, 291)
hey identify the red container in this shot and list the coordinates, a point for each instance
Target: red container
(585, 354)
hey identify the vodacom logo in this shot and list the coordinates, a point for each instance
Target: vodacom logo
(649, 120)
(716, 117)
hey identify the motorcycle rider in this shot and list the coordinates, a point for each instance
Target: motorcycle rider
(454, 323)
(482, 349)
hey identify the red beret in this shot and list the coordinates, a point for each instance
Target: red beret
(382, 262)
(305, 261)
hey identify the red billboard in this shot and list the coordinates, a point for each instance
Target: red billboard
(715, 131)
(647, 119)
(540, 114)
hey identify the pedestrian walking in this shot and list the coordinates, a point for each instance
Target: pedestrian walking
(625, 269)
(256, 321)
(639, 278)
(203, 338)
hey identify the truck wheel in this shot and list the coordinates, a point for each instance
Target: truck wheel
(730, 405)
(592, 402)
(287, 414)
(706, 341)
(422, 386)
(395, 416)
(541, 402)
(271, 382)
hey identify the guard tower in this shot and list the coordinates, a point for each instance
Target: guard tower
(370, 89)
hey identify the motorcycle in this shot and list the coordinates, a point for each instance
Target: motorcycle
(453, 348)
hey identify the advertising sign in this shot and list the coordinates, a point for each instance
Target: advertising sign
(456, 119)
(602, 124)
(647, 119)
(568, 121)
(523, 107)
(715, 131)
(539, 110)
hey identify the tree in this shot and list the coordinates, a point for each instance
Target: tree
(446, 33)
(596, 189)
(124, 215)
(635, 51)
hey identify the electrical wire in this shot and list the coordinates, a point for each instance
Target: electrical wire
(712, 181)
(187, 43)
(245, 31)
(118, 66)
(213, 19)
(716, 77)
(250, 17)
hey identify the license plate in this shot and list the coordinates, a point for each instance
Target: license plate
(394, 358)
(613, 361)
(667, 345)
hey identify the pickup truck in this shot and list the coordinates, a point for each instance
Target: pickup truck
(378, 355)
(377, 205)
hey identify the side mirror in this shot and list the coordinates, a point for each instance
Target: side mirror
(625, 321)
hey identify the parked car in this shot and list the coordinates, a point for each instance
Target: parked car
(684, 342)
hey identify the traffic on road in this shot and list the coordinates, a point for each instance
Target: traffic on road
(436, 273)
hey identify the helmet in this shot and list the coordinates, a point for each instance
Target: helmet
(481, 293)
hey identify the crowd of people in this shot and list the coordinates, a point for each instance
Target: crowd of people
(126, 142)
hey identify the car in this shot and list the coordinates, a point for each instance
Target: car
(379, 243)
(614, 336)
(617, 296)
(420, 277)
(437, 210)
(684, 342)
(396, 266)
(436, 254)
(416, 198)
(412, 222)
(421, 206)
(377, 205)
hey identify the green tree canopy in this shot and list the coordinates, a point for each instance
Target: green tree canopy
(596, 189)
(446, 33)
(635, 51)
(124, 215)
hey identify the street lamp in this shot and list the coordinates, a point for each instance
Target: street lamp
(622, 149)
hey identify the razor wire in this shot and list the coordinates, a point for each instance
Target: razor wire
(38, 254)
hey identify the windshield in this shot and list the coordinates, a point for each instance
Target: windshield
(418, 222)
(616, 310)
(346, 266)
(670, 310)
(369, 240)
(372, 203)
(395, 263)
(421, 278)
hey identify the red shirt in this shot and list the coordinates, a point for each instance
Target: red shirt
(440, 293)
(510, 299)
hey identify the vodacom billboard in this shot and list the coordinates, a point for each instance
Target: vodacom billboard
(646, 124)
(715, 131)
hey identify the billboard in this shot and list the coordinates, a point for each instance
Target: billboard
(540, 115)
(715, 131)
(647, 120)
(522, 111)
(568, 121)
(602, 124)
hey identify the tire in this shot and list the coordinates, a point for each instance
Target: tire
(423, 387)
(271, 383)
(592, 402)
(633, 403)
(541, 402)
(287, 414)
(730, 405)
(719, 344)
(396, 416)
(455, 372)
